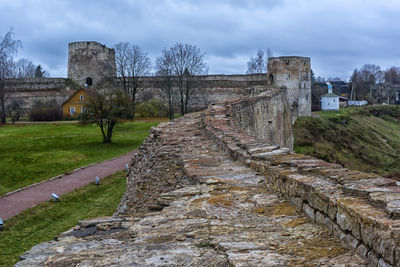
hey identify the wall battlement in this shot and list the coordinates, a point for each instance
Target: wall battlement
(33, 84)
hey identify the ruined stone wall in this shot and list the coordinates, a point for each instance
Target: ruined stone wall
(30, 90)
(206, 89)
(266, 116)
(295, 74)
(90, 60)
(361, 209)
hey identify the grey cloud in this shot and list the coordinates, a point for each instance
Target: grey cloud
(338, 35)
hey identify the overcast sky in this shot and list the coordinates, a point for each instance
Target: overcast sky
(338, 35)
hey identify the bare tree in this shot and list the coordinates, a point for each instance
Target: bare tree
(106, 110)
(164, 69)
(131, 63)
(258, 64)
(15, 109)
(24, 68)
(365, 82)
(184, 61)
(8, 47)
(392, 75)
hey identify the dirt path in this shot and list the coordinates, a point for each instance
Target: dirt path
(19, 201)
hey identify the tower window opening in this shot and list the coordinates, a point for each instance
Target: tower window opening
(89, 81)
(271, 78)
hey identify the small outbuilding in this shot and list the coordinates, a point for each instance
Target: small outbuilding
(73, 106)
(330, 101)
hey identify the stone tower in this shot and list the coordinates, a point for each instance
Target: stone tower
(295, 74)
(90, 62)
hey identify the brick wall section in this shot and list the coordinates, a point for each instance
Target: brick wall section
(361, 209)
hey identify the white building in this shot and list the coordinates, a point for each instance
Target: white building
(330, 101)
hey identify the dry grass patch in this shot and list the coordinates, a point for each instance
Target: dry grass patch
(220, 200)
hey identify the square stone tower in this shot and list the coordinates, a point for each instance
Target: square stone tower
(90, 63)
(295, 74)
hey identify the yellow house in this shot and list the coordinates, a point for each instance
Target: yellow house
(73, 107)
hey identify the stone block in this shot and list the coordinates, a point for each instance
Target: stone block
(387, 247)
(310, 212)
(350, 241)
(372, 259)
(344, 220)
(332, 211)
(318, 203)
(383, 263)
(297, 202)
(397, 255)
(367, 234)
(337, 232)
(362, 250)
(320, 218)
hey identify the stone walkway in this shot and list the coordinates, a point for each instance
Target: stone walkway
(221, 213)
(21, 200)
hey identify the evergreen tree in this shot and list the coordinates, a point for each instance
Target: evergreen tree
(39, 72)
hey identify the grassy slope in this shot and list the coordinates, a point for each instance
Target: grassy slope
(46, 220)
(35, 152)
(365, 139)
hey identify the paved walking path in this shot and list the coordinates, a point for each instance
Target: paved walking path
(19, 201)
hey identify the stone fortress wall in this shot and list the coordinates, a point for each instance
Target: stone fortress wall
(266, 116)
(295, 74)
(30, 90)
(183, 191)
(361, 209)
(92, 63)
(208, 88)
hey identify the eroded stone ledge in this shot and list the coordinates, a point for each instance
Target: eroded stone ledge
(361, 209)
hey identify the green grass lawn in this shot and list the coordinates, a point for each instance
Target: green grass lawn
(360, 138)
(336, 113)
(44, 221)
(30, 153)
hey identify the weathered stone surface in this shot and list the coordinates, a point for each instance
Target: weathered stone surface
(90, 60)
(361, 214)
(267, 117)
(215, 212)
(209, 201)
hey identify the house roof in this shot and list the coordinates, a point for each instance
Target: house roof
(88, 91)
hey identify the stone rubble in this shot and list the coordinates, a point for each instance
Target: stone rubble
(188, 203)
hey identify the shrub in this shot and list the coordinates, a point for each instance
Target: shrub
(45, 111)
(151, 108)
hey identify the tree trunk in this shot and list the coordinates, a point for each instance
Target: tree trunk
(2, 104)
(187, 96)
(102, 131)
(133, 105)
(3, 113)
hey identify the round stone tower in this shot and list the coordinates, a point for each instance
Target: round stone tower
(295, 74)
(90, 63)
